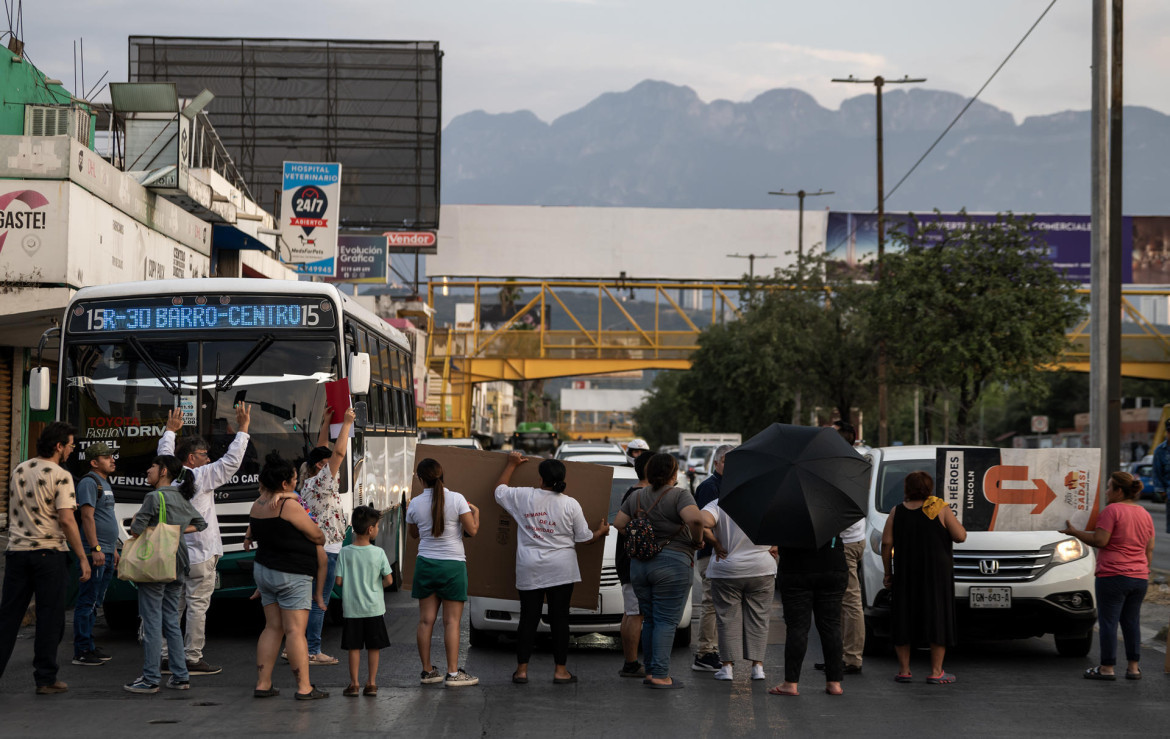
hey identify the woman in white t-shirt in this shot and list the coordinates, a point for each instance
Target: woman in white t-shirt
(549, 527)
(439, 518)
(743, 582)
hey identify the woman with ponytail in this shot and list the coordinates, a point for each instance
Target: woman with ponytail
(439, 518)
(1124, 539)
(549, 527)
(158, 602)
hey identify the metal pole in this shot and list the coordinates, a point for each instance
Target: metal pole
(1113, 299)
(1099, 201)
(800, 230)
(883, 390)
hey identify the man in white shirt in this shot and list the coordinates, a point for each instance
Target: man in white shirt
(204, 547)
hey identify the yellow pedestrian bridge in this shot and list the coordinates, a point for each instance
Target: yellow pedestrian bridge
(540, 329)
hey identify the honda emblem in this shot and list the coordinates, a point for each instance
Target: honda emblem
(989, 566)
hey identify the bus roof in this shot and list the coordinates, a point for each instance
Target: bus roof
(244, 285)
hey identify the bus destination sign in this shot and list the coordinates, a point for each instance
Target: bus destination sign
(201, 313)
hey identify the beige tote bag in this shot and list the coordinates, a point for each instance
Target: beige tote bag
(151, 556)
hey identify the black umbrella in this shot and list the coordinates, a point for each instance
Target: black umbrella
(794, 486)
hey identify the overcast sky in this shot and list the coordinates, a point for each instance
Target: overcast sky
(553, 56)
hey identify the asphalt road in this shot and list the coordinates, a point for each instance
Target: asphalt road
(1019, 688)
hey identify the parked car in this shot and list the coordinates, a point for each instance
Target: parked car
(491, 617)
(1144, 471)
(1042, 581)
(461, 442)
(583, 448)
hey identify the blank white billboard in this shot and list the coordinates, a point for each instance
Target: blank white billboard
(520, 241)
(601, 400)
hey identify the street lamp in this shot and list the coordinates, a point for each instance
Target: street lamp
(801, 195)
(883, 394)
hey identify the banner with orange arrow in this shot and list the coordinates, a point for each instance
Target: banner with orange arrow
(1019, 489)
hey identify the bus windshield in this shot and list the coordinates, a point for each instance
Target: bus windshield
(121, 391)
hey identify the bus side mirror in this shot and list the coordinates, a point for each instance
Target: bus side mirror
(39, 389)
(359, 373)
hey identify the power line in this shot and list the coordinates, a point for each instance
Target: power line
(971, 101)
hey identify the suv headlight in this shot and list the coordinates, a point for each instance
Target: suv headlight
(1069, 550)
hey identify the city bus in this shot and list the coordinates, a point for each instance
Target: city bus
(131, 352)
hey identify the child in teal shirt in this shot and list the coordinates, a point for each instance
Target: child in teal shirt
(363, 571)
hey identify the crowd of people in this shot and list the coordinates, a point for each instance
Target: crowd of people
(663, 531)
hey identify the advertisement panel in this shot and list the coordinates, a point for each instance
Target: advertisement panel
(852, 237)
(360, 259)
(1019, 489)
(1151, 250)
(310, 207)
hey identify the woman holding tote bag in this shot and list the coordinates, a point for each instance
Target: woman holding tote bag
(158, 602)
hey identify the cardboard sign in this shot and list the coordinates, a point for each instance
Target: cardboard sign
(491, 554)
(1019, 489)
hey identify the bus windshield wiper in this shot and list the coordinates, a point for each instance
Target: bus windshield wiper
(225, 383)
(153, 366)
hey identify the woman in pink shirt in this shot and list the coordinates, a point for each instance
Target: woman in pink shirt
(1125, 540)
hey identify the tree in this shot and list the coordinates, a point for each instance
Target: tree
(800, 333)
(963, 306)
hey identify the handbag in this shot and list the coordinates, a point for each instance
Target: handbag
(152, 555)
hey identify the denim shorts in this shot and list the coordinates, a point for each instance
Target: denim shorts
(292, 592)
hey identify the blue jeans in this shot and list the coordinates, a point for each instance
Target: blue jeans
(90, 595)
(316, 615)
(662, 585)
(158, 605)
(1119, 600)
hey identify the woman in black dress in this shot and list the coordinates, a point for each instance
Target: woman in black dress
(917, 551)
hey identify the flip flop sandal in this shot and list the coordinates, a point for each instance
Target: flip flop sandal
(270, 693)
(312, 695)
(944, 679)
(1094, 673)
(777, 691)
(351, 691)
(370, 690)
(672, 685)
(1133, 675)
(564, 680)
(519, 680)
(903, 678)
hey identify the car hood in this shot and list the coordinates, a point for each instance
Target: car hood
(998, 540)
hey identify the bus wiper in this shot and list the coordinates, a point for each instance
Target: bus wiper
(225, 383)
(153, 366)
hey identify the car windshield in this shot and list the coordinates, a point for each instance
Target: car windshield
(620, 486)
(114, 392)
(892, 480)
(699, 452)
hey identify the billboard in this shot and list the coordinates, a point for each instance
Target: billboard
(360, 259)
(852, 237)
(310, 205)
(373, 106)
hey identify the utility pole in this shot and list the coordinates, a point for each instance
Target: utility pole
(751, 262)
(801, 195)
(1105, 287)
(883, 390)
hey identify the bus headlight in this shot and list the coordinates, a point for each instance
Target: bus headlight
(1068, 550)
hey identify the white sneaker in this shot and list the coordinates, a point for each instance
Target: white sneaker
(757, 672)
(726, 672)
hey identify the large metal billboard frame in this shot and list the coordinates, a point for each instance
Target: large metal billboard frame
(373, 106)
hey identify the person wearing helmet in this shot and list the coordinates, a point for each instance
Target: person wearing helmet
(637, 448)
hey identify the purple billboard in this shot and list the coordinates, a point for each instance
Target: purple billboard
(852, 238)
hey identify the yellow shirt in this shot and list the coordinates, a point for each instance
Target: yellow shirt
(39, 489)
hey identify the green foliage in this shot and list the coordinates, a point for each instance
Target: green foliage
(962, 308)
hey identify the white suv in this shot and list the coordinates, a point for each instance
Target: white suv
(491, 617)
(1008, 584)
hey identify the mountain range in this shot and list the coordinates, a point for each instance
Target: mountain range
(659, 145)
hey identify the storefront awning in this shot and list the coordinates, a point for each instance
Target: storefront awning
(230, 238)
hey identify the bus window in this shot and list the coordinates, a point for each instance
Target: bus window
(384, 354)
(395, 367)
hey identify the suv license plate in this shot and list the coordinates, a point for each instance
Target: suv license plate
(990, 597)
